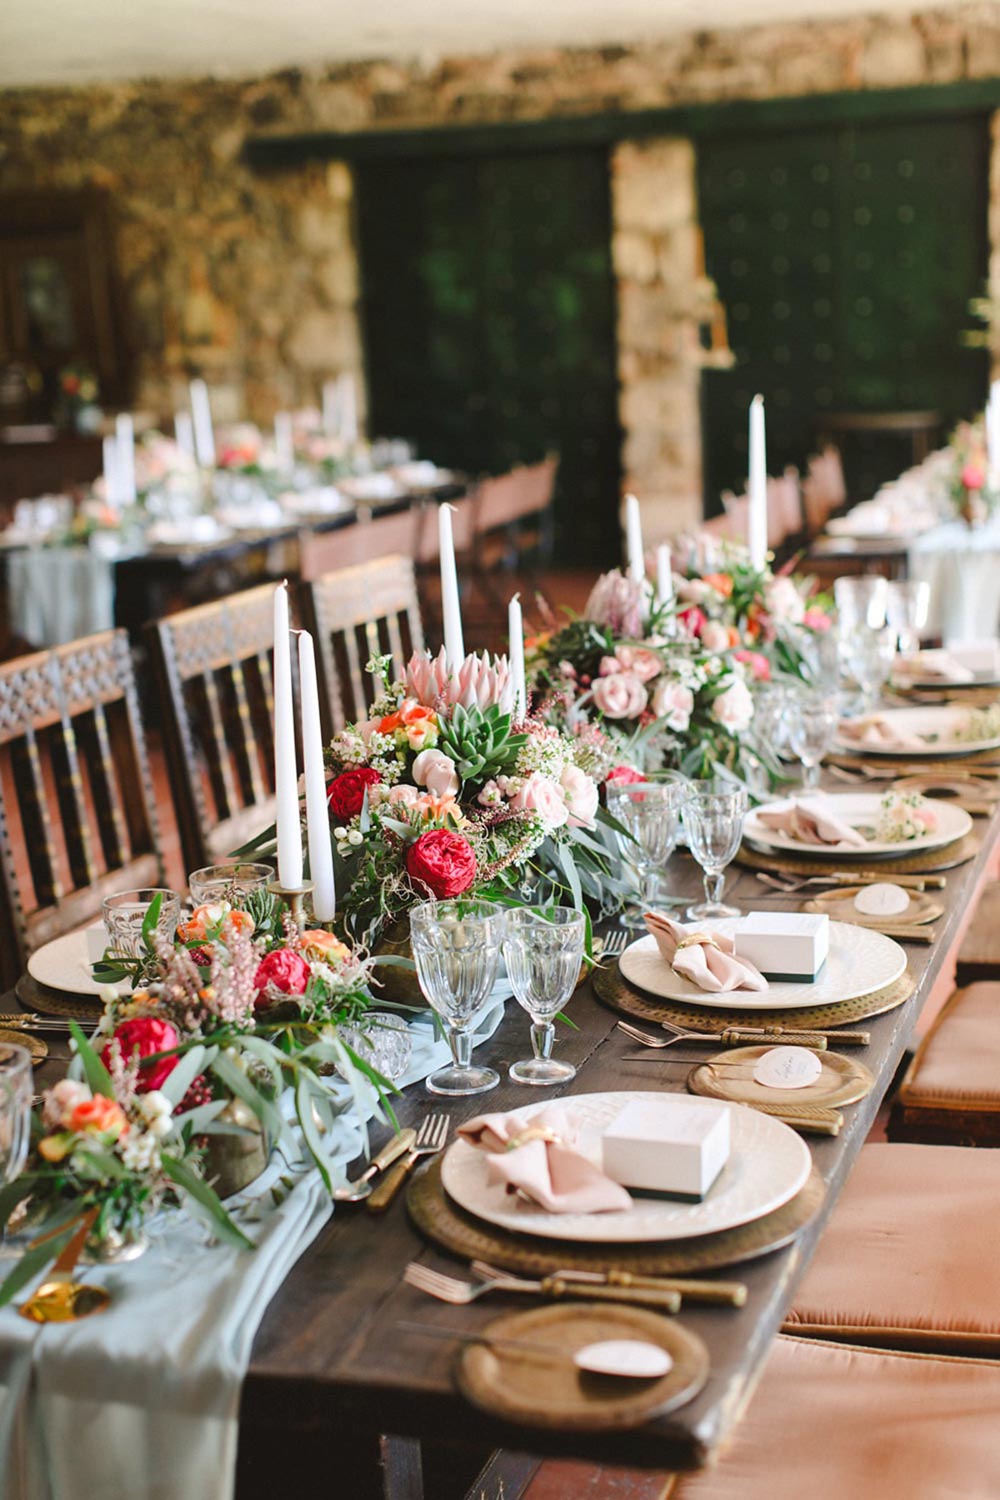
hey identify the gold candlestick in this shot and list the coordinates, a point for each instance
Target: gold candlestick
(293, 896)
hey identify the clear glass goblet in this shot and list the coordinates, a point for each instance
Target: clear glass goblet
(908, 606)
(870, 655)
(649, 811)
(125, 916)
(713, 822)
(456, 947)
(228, 882)
(812, 725)
(861, 600)
(544, 950)
(15, 1109)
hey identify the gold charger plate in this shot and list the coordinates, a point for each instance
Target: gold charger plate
(445, 1224)
(839, 907)
(33, 1044)
(977, 795)
(541, 1387)
(927, 862)
(35, 996)
(615, 991)
(729, 1075)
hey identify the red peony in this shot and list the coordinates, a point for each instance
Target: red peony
(145, 1035)
(623, 776)
(346, 792)
(283, 971)
(443, 862)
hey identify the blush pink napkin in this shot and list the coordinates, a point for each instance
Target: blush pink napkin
(933, 664)
(874, 730)
(812, 821)
(548, 1171)
(708, 959)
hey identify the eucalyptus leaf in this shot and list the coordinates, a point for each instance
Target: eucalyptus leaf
(195, 1188)
(94, 1070)
(34, 1260)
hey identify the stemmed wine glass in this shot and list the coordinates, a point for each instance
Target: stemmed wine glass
(649, 811)
(456, 947)
(713, 822)
(908, 606)
(812, 724)
(870, 654)
(861, 600)
(544, 951)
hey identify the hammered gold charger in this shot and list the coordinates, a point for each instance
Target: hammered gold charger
(442, 1222)
(615, 991)
(34, 1044)
(729, 1075)
(839, 907)
(924, 863)
(533, 1380)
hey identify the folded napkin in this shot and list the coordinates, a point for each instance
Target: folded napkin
(534, 1154)
(934, 664)
(875, 731)
(708, 959)
(812, 821)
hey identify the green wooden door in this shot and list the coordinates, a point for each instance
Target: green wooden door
(489, 321)
(846, 257)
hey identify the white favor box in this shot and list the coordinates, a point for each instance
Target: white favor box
(789, 946)
(671, 1146)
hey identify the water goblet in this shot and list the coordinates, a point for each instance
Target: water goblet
(456, 947)
(812, 725)
(15, 1109)
(228, 882)
(713, 822)
(544, 950)
(649, 812)
(907, 607)
(870, 654)
(861, 600)
(125, 917)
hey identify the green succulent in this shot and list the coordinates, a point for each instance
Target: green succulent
(480, 743)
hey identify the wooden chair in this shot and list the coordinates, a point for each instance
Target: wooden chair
(77, 811)
(355, 614)
(369, 538)
(213, 669)
(824, 490)
(979, 954)
(950, 1095)
(512, 513)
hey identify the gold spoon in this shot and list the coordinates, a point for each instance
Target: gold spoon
(60, 1299)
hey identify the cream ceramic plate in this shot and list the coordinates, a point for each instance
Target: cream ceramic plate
(936, 727)
(768, 1164)
(64, 964)
(860, 810)
(859, 962)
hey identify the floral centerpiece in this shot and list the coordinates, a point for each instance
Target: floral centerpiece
(442, 791)
(970, 491)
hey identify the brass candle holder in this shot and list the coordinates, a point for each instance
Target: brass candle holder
(293, 896)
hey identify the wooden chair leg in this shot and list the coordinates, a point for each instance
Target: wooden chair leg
(505, 1476)
(402, 1470)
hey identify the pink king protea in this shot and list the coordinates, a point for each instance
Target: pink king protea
(479, 682)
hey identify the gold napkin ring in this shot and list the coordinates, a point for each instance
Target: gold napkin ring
(534, 1133)
(697, 940)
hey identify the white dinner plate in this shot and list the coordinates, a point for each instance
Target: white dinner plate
(860, 810)
(936, 727)
(64, 964)
(860, 960)
(768, 1164)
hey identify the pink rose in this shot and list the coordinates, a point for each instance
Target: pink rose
(715, 636)
(816, 619)
(609, 665)
(581, 796)
(540, 794)
(623, 776)
(673, 702)
(973, 476)
(402, 795)
(621, 696)
(692, 620)
(434, 770)
(760, 667)
(640, 661)
(734, 708)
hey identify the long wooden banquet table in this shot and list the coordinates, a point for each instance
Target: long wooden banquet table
(330, 1352)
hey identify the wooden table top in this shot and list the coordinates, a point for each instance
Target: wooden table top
(329, 1350)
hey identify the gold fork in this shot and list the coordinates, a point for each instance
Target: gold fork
(460, 1293)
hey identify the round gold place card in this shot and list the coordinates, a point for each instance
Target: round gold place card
(740, 1074)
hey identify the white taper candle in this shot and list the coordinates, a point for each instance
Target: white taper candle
(201, 414)
(289, 825)
(109, 463)
(324, 896)
(331, 408)
(664, 574)
(348, 409)
(184, 432)
(515, 630)
(125, 443)
(451, 612)
(635, 557)
(757, 508)
(284, 442)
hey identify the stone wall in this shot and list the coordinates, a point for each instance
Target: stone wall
(252, 278)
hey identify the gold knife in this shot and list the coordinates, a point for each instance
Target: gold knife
(717, 1293)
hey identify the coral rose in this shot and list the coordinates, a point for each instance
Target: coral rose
(319, 943)
(282, 972)
(442, 862)
(346, 792)
(621, 696)
(100, 1115)
(640, 661)
(144, 1036)
(205, 919)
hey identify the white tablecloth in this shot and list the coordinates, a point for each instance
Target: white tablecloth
(962, 566)
(58, 594)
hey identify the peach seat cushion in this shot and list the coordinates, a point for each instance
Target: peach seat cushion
(860, 1424)
(958, 1064)
(909, 1258)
